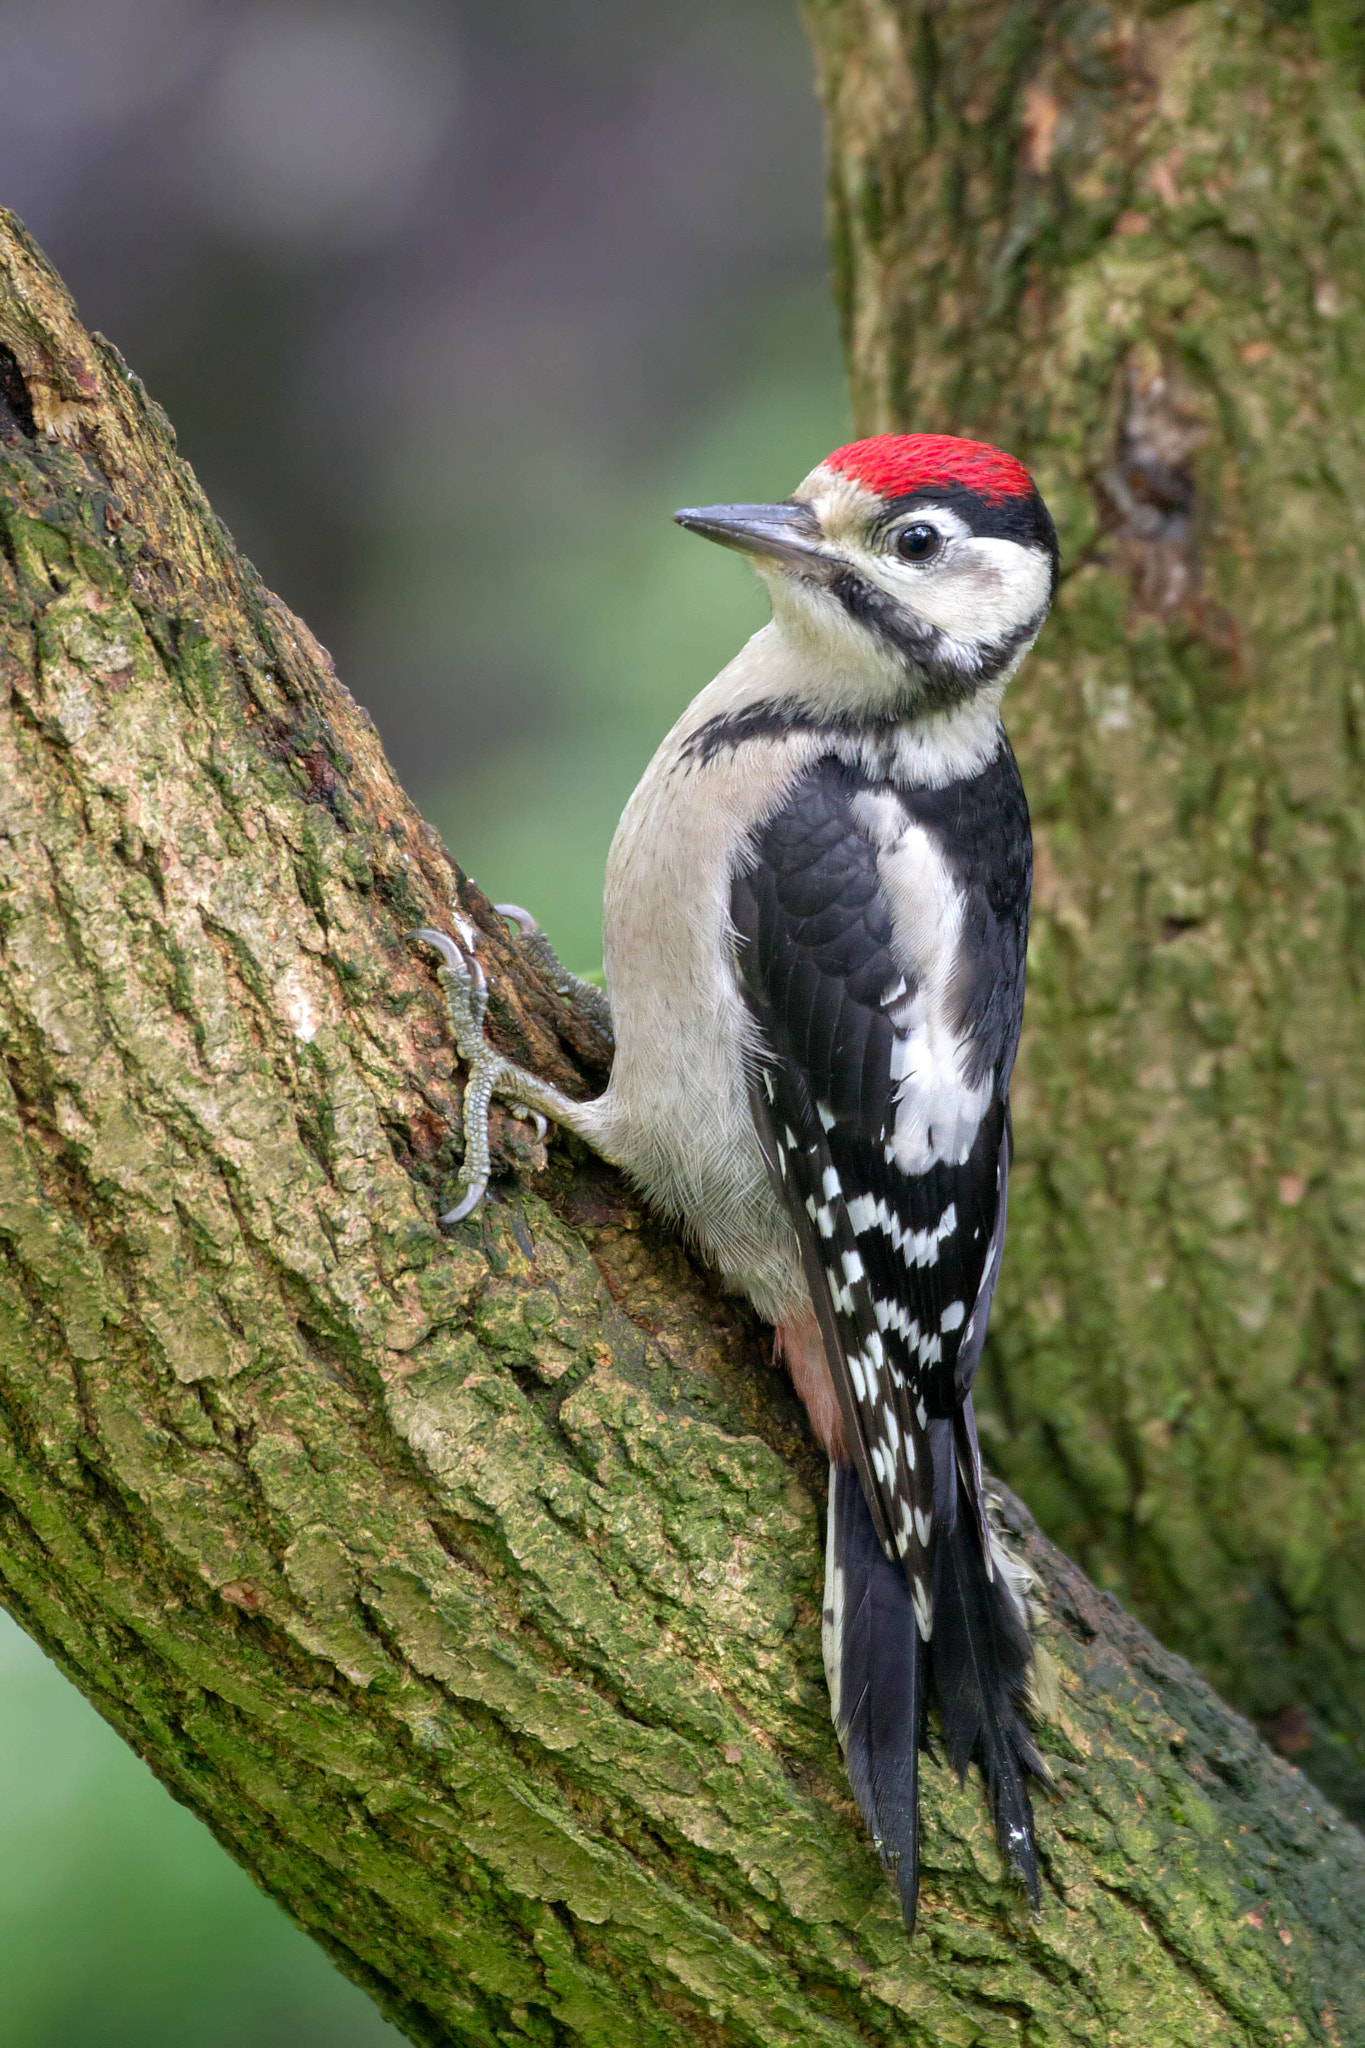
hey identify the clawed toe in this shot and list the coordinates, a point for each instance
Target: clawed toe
(442, 943)
(460, 963)
(466, 988)
(467, 1203)
(529, 923)
(466, 992)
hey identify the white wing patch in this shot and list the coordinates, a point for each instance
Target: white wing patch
(937, 1113)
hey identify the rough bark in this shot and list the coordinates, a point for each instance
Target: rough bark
(1129, 242)
(467, 1587)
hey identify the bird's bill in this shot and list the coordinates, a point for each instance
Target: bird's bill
(789, 534)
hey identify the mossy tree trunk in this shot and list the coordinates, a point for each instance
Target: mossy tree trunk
(468, 1586)
(1129, 242)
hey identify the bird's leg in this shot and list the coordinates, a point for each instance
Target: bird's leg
(465, 986)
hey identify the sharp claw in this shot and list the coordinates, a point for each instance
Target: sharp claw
(462, 964)
(542, 1125)
(528, 923)
(442, 943)
(467, 1204)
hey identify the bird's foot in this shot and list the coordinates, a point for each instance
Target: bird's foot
(465, 987)
(585, 994)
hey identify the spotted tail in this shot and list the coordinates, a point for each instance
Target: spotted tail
(880, 1671)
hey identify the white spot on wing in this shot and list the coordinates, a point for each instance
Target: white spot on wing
(952, 1316)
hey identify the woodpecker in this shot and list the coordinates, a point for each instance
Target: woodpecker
(815, 923)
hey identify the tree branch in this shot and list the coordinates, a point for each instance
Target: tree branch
(468, 1588)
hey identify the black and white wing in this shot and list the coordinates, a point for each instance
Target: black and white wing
(882, 1094)
(880, 935)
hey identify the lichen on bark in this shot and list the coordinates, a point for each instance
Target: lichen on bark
(1128, 241)
(467, 1586)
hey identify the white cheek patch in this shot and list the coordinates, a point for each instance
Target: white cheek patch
(975, 590)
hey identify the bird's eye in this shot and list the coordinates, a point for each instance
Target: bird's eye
(918, 543)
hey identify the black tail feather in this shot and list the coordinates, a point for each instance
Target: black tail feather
(875, 1664)
(979, 1659)
(879, 1671)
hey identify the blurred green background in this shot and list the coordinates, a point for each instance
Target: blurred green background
(451, 308)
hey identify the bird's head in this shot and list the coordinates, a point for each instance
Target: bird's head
(913, 570)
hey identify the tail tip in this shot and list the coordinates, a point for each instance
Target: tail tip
(1021, 1853)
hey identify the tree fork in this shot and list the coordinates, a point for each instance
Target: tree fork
(468, 1587)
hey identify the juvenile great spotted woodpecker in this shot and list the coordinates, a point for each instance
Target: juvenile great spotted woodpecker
(816, 912)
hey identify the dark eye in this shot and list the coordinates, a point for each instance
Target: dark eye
(918, 543)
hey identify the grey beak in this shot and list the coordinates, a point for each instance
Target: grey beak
(789, 534)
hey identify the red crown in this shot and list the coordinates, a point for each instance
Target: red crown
(892, 465)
